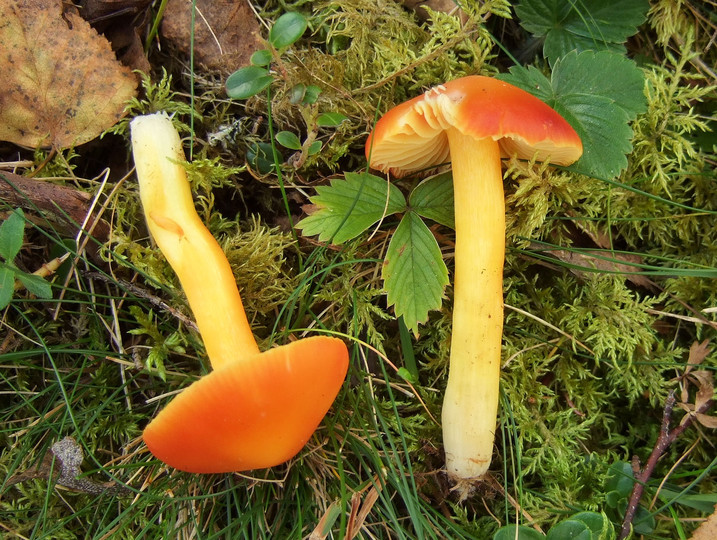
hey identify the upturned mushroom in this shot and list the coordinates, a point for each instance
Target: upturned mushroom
(472, 122)
(254, 410)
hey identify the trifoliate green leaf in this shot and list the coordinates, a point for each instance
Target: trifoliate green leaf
(414, 273)
(349, 207)
(599, 94)
(433, 199)
(603, 74)
(596, 25)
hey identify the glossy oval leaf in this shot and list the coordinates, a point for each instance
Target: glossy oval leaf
(261, 57)
(247, 82)
(287, 29)
(330, 119)
(414, 273)
(517, 532)
(312, 94)
(315, 147)
(289, 140)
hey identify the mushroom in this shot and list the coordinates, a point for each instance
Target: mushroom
(254, 410)
(472, 121)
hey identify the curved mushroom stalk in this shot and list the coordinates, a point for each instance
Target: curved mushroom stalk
(470, 404)
(255, 410)
(196, 257)
(471, 121)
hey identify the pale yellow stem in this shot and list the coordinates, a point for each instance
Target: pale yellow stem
(193, 253)
(471, 401)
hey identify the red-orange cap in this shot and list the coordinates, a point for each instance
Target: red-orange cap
(255, 413)
(411, 136)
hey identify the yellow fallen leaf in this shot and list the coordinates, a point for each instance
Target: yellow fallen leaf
(62, 85)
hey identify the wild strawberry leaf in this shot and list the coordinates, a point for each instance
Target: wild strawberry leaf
(599, 94)
(414, 273)
(346, 208)
(596, 25)
(433, 199)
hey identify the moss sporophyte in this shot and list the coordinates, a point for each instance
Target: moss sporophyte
(255, 410)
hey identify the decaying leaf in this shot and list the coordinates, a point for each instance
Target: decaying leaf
(226, 33)
(708, 529)
(703, 381)
(62, 84)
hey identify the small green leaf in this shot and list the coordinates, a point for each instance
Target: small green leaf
(287, 29)
(349, 207)
(643, 522)
(517, 532)
(574, 530)
(579, 26)
(297, 93)
(11, 235)
(288, 140)
(406, 375)
(583, 90)
(620, 480)
(583, 526)
(314, 147)
(414, 273)
(247, 82)
(262, 57)
(433, 199)
(7, 286)
(260, 157)
(35, 285)
(330, 119)
(312, 94)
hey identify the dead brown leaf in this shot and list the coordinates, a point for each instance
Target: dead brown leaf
(62, 84)
(603, 261)
(226, 32)
(444, 6)
(698, 353)
(703, 381)
(708, 529)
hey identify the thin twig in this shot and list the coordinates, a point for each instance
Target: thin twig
(666, 438)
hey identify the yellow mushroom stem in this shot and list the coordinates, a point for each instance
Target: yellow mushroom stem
(193, 253)
(471, 400)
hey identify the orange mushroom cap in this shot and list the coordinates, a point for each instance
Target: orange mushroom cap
(251, 414)
(411, 136)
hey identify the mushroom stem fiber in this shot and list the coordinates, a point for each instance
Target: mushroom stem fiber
(471, 399)
(192, 251)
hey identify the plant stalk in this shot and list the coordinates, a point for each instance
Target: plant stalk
(196, 257)
(471, 401)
